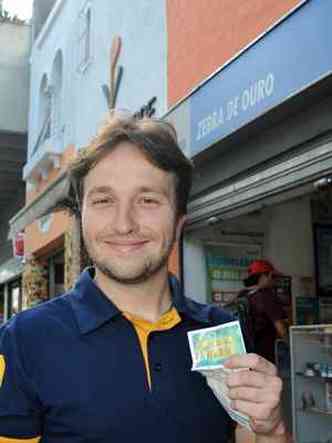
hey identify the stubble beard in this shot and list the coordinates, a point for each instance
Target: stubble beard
(118, 273)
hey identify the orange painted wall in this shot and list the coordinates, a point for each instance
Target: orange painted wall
(35, 241)
(173, 262)
(39, 243)
(203, 35)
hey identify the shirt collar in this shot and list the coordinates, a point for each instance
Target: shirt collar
(187, 306)
(92, 308)
(90, 305)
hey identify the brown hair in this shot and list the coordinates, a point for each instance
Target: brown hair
(156, 139)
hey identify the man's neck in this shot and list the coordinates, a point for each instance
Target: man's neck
(148, 300)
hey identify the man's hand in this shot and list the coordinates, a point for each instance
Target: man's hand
(255, 391)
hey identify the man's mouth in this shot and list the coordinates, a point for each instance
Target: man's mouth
(125, 247)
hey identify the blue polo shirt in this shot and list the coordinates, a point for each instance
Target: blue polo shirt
(74, 372)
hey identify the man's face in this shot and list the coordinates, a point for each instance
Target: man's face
(129, 215)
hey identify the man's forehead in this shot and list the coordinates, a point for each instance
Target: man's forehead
(108, 189)
(125, 156)
(133, 180)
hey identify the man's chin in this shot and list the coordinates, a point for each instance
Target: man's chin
(128, 278)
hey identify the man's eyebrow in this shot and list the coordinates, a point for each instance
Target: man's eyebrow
(104, 189)
(100, 190)
(149, 190)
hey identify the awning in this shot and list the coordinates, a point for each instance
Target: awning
(280, 182)
(57, 191)
(10, 270)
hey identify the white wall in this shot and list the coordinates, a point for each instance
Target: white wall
(14, 76)
(289, 240)
(142, 27)
(194, 272)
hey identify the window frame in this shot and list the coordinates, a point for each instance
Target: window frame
(84, 37)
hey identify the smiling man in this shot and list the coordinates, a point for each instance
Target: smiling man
(129, 217)
(109, 361)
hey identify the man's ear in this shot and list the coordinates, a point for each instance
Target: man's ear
(179, 226)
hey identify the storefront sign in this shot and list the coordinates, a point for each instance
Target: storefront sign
(293, 55)
(288, 59)
(275, 68)
(147, 110)
(234, 109)
(18, 245)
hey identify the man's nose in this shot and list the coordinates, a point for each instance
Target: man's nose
(125, 221)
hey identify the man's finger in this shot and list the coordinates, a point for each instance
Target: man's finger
(254, 379)
(251, 361)
(254, 395)
(257, 411)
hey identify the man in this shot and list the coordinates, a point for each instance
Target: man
(109, 361)
(266, 311)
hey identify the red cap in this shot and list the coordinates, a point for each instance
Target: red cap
(261, 266)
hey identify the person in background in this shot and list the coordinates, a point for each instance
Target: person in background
(110, 361)
(266, 311)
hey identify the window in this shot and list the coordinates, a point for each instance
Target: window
(44, 111)
(84, 38)
(15, 297)
(56, 96)
(50, 105)
(56, 274)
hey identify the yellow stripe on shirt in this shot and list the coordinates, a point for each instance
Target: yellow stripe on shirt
(19, 440)
(2, 368)
(144, 328)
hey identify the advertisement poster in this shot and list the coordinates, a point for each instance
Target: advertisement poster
(226, 268)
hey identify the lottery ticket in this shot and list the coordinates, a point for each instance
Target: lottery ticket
(210, 347)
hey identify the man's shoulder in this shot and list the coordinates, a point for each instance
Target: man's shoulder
(205, 313)
(41, 318)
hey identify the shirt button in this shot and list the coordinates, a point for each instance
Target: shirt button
(157, 367)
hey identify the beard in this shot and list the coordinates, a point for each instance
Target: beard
(131, 270)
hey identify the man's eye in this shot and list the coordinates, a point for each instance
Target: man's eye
(149, 201)
(101, 201)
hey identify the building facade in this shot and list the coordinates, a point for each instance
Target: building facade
(87, 57)
(258, 130)
(15, 40)
(249, 88)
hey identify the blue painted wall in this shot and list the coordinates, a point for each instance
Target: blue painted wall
(142, 27)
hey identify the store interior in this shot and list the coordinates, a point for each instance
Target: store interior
(293, 235)
(296, 236)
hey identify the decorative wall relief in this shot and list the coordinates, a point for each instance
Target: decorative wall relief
(34, 282)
